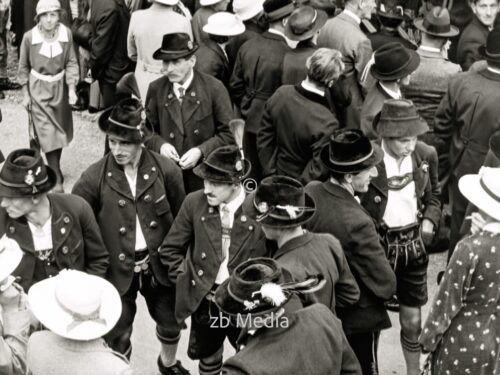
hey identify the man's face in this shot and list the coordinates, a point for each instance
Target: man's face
(178, 70)
(218, 193)
(405, 81)
(123, 152)
(486, 10)
(367, 7)
(361, 181)
(400, 147)
(17, 207)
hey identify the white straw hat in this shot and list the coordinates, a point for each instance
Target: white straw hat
(45, 6)
(10, 256)
(167, 2)
(205, 3)
(247, 9)
(76, 305)
(483, 190)
(224, 23)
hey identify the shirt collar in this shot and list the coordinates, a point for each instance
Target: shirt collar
(492, 227)
(37, 38)
(291, 43)
(235, 203)
(429, 49)
(354, 16)
(186, 84)
(393, 94)
(309, 87)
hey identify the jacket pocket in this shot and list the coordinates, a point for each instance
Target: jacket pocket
(161, 206)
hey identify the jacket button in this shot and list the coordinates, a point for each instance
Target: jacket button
(377, 199)
(193, 93)
(66, 219)
(123, 230)
(200, 273)
(12, 230)
(193, 283)
(121, 203)
(203, 218)
(153, 224)
(171, 135)
(196, 132)
(203, 256)
(419, 215)
(110, 174)
(243, 219)
(121, 257)
(250, 227)
(148, 198)
(210, 210)
(65, 250)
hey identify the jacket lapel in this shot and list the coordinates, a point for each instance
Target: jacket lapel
(173, 107)
(380, 182)
(239, 233)
(213, 229)
(191, 102)
(146, 175)
(20, 231)
(116, 179)
(62, 225)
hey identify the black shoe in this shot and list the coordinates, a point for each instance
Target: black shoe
(7, 84)
(392, 304)
(176, 369)
(80, 105)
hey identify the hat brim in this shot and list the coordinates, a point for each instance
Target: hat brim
(250, 13)
(483, 52)
(206, 172)
(121, 133)
(19, 192)
(419, 24)
(167, 2)
(470, 186)
(10, 257)
(390, 16)
(224, 31)
(45, 307)
(318, 24)
(372, 161)
(280, 13)
(406, 70)
(250, 210)
(393, 129)
(169, 56)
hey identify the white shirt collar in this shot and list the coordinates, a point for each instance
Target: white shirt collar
(307, 86)
(235, 203)
(493, 70)
(354, 16)
(492, 227)
(185, 85)
(291, 43)
(429, 49)
(393, 94)
(53, 48)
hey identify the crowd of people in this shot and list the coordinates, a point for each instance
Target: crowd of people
(275, 172)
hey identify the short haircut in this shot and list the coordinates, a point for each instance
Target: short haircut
(476, 1)
(324, 65)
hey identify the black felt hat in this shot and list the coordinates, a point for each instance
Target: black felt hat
(394, 61)
(126, 120)
(280, 202)
(399, 118)
(350, 151)
(224, 165)
(175, 46)
(491, 50)
(278, 9)
(24, 174)
(391, 9)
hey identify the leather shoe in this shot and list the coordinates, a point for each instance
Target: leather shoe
(176, 369)
(392, 304)
(7, 84)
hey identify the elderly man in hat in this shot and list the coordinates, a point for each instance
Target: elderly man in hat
(404, 202)
(344, 34)
(257, 74)
(260, 298)
(465, 119)
(188, 110)
(211, 57)
(135, 195)
(200, 18)
(77, 309)
(298, 120)
(210, 236)
(282, 207)
(351, 160)
(392, 68)
(430, 80)
(55, 231)
(15, 316)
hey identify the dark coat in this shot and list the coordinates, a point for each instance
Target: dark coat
(159, 195)
(210, 59)
(295, 125)
(257, 75)
(372, 105)
(473, 37)
(312, 344)
(294, 63)
(77, 241)
(201, 121)
(313, 253)
(108, 45)
(427, 188)
(235, 42)
(340, 215)
(192, 250)
(384, 36)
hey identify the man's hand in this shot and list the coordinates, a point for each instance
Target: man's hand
(427, 231)
(72, 98)
(190, 158)
(169, 151)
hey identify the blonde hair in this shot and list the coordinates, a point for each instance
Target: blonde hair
(324, 65)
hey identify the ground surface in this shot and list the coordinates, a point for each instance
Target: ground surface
(86, 148)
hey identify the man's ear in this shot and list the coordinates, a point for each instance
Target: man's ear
(192, 59)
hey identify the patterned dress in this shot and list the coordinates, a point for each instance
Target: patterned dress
(462, 331)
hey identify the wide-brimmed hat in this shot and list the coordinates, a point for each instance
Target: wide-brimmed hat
(24, 174)
(175, 46)
(391, 9)
(247, 9)
(275, 10)
(205, 3)
(76, 305)
(399, 118)
(483, 190)
(167, 2)
(304, 22)
(45, 6)
(491, 50)
(495, 144)
(10, 256)
(350, 151)
(394, 61)
(280, 202)
(437, 23)
(259, 286)
(126, 120)
(225, 24)
(224, 165)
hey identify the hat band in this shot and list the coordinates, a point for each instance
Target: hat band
(433, 28)
(488, 191)
(292, 212)
(249, 305)
(137, 127)
(15, 185)
(348, 163)
(310, 26)
(174, 52)
(78, 318)
(400, 119)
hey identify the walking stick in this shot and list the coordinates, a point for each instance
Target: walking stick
(33, 137)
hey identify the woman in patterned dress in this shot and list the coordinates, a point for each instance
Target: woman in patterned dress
(48, 73)
(462, 331)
